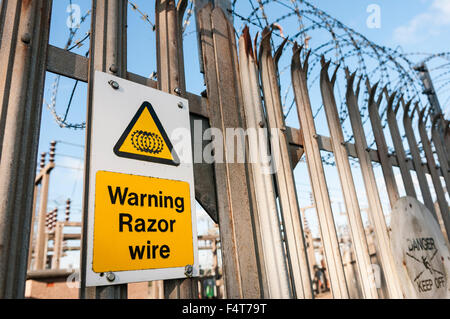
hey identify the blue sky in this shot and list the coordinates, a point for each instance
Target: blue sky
(409, 25)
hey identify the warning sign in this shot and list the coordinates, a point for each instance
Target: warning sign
(145, 139)
(140, 193)
(141, 223)
(420, 251)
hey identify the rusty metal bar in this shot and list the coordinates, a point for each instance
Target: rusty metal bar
(317, 177)
(442, 201)
(357, 232)
(418, 165)
(440, 150)
(266, 206)
(402, 160)
(243, 265)
(447, 136)
(170, 64)
(284, 177)
(380, 140)
(375, 214)
(66, 63)
(23, 49)
(107, 54)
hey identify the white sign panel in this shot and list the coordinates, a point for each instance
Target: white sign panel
(420, 251)
(141, 213)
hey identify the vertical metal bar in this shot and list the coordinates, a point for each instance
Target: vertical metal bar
(446, 142)
(283, 171)
(424, 75)
(266, 206)
(23, 51)
(357, 232)
(442, 201)
(380, 140)
(170, 64)
(335, 268)
(376, 212)
(418, 165)
(107, 54)
(440, 151)
(402, 160)
(243, 268)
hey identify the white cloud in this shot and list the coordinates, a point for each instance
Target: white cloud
(427, 24)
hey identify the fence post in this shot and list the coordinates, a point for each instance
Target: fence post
(357, 232)
(24, 35)
(375, 209)
(242, 262)
(418, 165)
(107, 54)
(284, 176)
(262, 172)
(398, 144)
(170, 64)
(442, 201)
(440, 150)
(335, 268)
(380, 140)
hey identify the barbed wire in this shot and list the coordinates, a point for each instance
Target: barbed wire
(62, 121)
(344, 46)
(391, 68)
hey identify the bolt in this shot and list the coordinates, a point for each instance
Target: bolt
(177, 91)
(113, 68)
(283, 129)
(343, 143)
(261, 124)
(188, 271)
(114, 84)
(26, 38)
(367, 149)
(110, 277)
(316, 136)
(180, 105)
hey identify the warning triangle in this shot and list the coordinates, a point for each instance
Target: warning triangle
(146, 140)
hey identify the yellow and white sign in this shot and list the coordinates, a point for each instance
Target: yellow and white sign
(140, 193)
(141, 223)
(145, 139)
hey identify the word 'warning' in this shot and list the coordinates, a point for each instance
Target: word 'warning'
(141, 223)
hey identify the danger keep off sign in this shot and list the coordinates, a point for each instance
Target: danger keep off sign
(141, 200)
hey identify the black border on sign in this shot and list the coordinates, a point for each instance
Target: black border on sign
(147, 158)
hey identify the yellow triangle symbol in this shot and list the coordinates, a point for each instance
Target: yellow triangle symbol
(146, 140)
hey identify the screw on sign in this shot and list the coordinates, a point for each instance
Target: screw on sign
(421, 251)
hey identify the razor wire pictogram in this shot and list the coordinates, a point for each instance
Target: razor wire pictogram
(147, 142)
